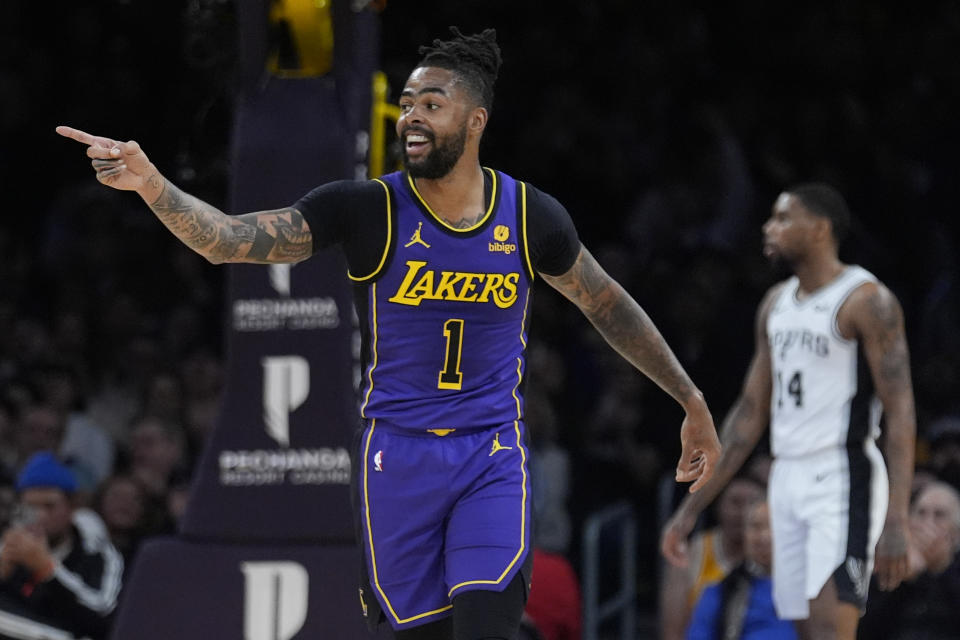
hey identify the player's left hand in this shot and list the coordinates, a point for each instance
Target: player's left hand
(892, 561)
(700, 447)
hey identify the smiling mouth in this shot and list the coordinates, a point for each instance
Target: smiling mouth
(415, 142)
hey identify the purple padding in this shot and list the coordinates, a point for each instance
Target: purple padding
(198, 591)
(276, 468)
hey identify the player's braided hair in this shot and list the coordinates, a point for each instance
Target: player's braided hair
(475, 59)
(825, 201)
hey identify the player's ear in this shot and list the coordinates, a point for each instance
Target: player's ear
(477, 121)
(824, 228)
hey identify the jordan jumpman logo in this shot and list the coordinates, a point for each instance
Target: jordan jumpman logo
(497, 446)
(416, 239)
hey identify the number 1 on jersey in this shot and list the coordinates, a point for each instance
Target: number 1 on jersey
(451, 377)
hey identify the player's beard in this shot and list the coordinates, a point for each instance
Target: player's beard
(780, 265)
(441, 159)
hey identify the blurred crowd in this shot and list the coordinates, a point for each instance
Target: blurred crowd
(666, 131)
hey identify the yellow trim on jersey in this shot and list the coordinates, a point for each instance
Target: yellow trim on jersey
(523, 218)
(523, 341)
(373, 554)
(493, 202)
(386, 248)
(523, 519)
(523, 325)
(373, 355)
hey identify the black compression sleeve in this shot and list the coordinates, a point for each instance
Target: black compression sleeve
(490, 615)
(336, 210)
(551, 236)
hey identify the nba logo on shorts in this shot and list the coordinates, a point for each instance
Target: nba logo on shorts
(378, 461)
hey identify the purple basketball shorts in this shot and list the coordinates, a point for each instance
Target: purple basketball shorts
(441, 515)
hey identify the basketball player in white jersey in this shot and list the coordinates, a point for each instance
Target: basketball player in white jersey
(830, 356)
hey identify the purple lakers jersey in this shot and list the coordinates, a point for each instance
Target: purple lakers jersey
(446, 313)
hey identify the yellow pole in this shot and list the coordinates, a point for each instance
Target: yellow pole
(382, 111)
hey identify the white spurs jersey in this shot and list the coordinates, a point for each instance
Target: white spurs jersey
(822, 393)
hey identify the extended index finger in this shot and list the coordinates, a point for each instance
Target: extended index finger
(84, 137)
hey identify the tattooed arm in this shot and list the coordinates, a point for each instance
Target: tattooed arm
(873, 314)
(745, 423)
(281, 235)
(266, 236)
(628, 329)
(624, 325)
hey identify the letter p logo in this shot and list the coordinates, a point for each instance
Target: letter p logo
(280, 278)
(286, 385)
(275, 599)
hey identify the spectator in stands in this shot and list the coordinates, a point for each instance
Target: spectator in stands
(550, 476)
(922, 476)
(42, 428)
(55, 576)
(740, 607)
(39, 428)
(129, 365)
(554, 602)
(553, 607)
(157, 454)
(83, 440)
(713, 553)
(927, 605)
(164, 397)
(123, 505)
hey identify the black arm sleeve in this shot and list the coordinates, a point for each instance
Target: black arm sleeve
(551, 236)
(352, 214)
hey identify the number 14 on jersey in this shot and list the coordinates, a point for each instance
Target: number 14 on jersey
(793, 388)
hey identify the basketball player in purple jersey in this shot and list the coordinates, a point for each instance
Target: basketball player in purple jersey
(442, 256)
(831, 355)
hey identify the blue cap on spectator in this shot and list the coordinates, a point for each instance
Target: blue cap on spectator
(43, 470)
